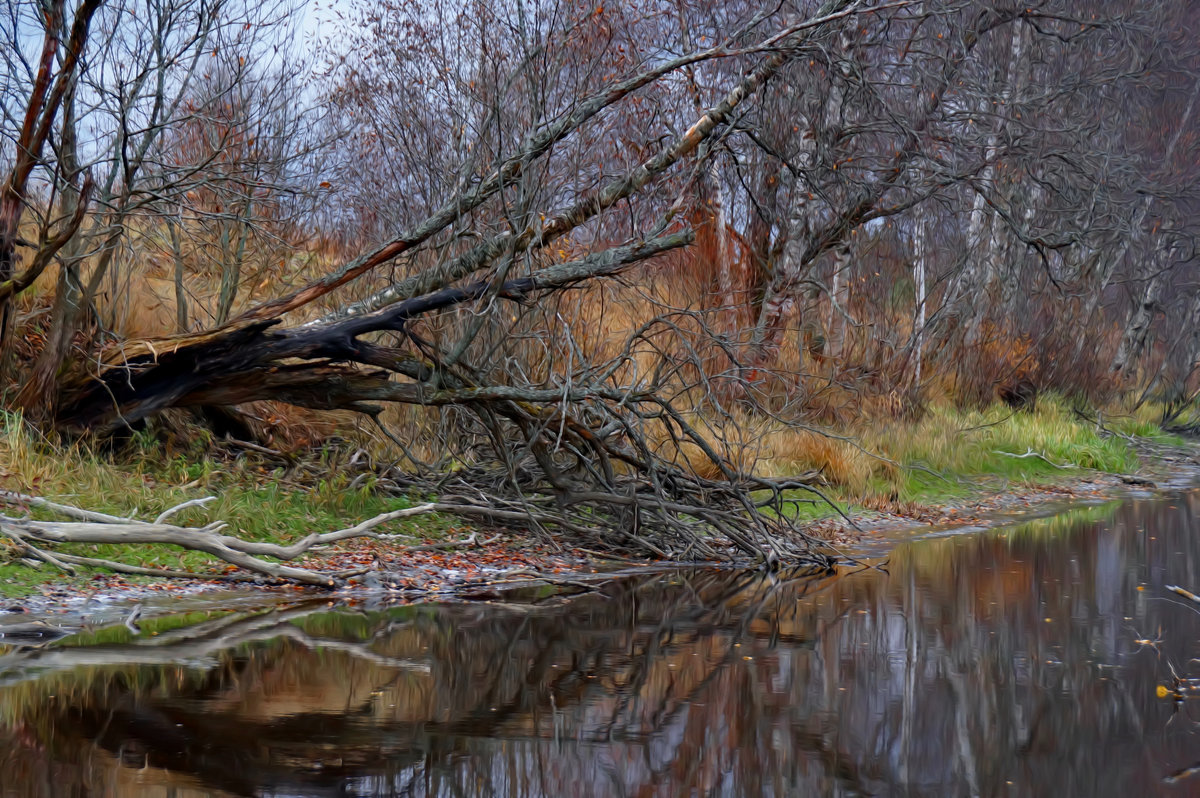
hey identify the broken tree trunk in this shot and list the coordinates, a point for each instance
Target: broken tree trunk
(311, 366)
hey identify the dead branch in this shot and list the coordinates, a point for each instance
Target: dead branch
(35, 552)
(159, 573)
(1037, 455)
(98, 528)
(472, 540)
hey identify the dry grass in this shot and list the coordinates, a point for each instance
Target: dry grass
(885, 460)
(840, 461)
(882, 439)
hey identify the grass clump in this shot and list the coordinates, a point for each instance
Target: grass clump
(997, 443)
(949, 452)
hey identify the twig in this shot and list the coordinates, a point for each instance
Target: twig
(177, 508)
(141, 570)
(253, 447)
(613, 557)
(1039, 455)
(22, 500)
(1187, 594)
(40, 554)
(451, 544)
(985, 426)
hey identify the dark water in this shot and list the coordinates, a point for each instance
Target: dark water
(1003, 663)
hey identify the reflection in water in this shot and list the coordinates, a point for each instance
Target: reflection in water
(1020, 662)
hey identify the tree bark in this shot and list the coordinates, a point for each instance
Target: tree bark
(1138, 324)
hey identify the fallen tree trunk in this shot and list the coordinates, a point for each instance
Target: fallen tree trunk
(311, 366)
(593, 472)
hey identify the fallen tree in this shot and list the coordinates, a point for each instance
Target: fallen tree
(36, 539)
(578, 457)
(577, 447)
(551, 183)
(88, 527)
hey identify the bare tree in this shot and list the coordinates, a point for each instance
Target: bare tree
(55, 79)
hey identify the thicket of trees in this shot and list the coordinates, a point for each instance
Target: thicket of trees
(596, 246)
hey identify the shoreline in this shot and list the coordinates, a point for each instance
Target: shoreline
(884, 531)
(506, 566)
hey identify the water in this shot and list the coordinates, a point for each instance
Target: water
(1025, 661)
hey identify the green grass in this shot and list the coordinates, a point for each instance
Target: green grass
(258, 502)
(951, 453)
(997, 445)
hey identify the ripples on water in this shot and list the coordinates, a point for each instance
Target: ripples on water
(1019, 662)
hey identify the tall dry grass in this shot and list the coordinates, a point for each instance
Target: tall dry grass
(825, 374)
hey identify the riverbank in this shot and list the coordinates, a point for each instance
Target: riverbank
(950, 469)
(1164, 463)
(508, 568)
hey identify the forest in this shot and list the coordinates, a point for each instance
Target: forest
(646, 277)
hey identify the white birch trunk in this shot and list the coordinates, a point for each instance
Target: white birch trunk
(726, 301)
(919, 256)
(984, 252)
(1137, 328)
(839, 301)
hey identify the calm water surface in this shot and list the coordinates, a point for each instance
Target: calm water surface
(1025, 661)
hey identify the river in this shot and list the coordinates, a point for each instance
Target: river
(1028, 660)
